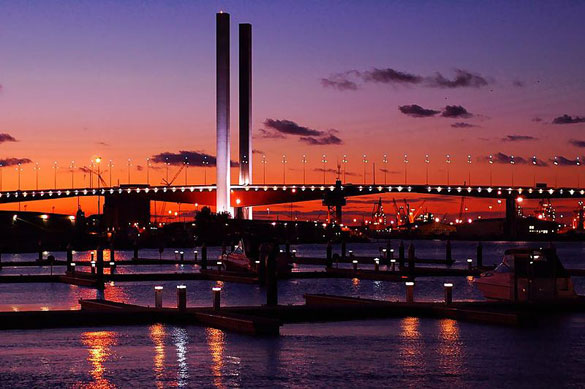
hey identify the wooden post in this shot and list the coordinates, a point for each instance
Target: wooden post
(271, 281)
(329, 262)
(401, 255)
(181, 297)
(204, 256)
(158, 296)
(216, 298)
(479, 255)
(448, 292)
(448, 256)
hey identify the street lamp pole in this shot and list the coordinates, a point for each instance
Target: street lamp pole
(324, 161)
(385, 161)
(55, 175)
(304, 161)
(427, 161)
(364, 161)
(405, 168)
(344, 161)
(491, 162)
(469, 172)
(284, 169)
(264, 168)
(448, 167)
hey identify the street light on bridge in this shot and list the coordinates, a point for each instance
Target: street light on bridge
(147, 173)
(469, 172)
(324, 161)
(405, 168)
(512, 162)
(491, 162)
(55, 175)
(205, 163)
(284, 169)
(37, 168)
(344, 162)
(448, 161)
(304, 162)
(72, 168)
(365, 161)
(130, 164)
(385, 162)
(556, 163)
(427, 161)
(110, 166)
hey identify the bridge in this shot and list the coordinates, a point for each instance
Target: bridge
(131, 203)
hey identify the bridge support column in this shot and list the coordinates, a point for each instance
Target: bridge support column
(334, 201)
(510, 224)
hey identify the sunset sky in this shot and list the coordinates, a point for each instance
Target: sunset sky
(134, 79)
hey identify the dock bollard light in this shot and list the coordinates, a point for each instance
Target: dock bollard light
(409, 291)
(448, 292)
(376, 264)
(195, 254)
(216, 297)
(181, 297)
(355, 263)
(72, 267)
(176, 254)
(158, 296)
(182, 256)
(391, 253)
(294, 252)
(219, 263)
(92, 255)
(393, 263)
(384, 253)
(92, 267)
(469, 263)
(350, 253)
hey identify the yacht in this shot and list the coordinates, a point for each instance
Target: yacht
(243, 258)
(527, 275)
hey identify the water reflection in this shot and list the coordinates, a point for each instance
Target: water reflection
(99, 346)
(181, 340)
(410, 347)
(157, 335)
(450, 354)
(215, 340)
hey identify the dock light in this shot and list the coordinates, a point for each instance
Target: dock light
(72, 267)
(219, 263)
(469, 264)
(409, 291)
(182, 256)
(519, 199)
(158, 296)
(195, 254)
(393, 264)
(448, 292)
(355, 263)
(14, 217)
(376, 264)
(181, 297)
(216, 297)
(238, 201)
(44, 217)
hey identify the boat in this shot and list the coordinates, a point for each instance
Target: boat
(527, 275)
(244, 258)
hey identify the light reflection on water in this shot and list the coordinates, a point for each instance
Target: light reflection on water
(157, 335)
(99, 346)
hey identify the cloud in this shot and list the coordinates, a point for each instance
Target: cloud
(14, 161)
(263, 133)
(291, 128)
(257, 151)
(340, 81)
(563, 161)
(536, 119)
(310, 136)
(102, 144)
(463, 79)
(387, 171)
(390, 76)
(517, 138)
(567, 119)
(417, 111)
(577, 143)
(518, 83)
(501, 158)
(7, 138)
(350, 80)
(329, 139)
(463, 125)
(455, 111)
(195, 158)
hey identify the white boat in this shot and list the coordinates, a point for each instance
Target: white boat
(243, 258)
(527, 275)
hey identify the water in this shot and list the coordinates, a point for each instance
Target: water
(395, 352)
